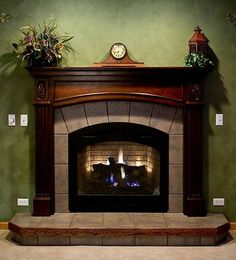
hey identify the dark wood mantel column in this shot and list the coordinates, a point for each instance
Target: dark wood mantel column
(173, 86)
(44, 202)
(194, 203)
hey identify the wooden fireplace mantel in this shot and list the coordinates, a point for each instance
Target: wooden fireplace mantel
(173, 86)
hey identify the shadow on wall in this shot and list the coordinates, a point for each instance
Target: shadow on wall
(215, 96)
(17, 160)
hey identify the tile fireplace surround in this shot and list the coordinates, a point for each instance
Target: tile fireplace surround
(169, 99)
(165, 118)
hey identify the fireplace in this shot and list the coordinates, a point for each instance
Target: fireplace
(78, 112)
(118, 167)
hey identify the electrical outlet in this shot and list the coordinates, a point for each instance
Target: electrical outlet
(219, 119)
(22, 202)
(11, 120)
(218, 201)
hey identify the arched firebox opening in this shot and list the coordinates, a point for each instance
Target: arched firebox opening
(117, 167)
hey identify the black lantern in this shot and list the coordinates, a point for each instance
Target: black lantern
(198, 43)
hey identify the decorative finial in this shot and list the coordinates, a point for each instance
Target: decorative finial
(197, 29)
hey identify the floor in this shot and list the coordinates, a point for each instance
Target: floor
(10, 251)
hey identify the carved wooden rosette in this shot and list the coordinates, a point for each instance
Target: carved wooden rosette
(179, 87)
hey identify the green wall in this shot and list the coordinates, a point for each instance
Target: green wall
(156, 32)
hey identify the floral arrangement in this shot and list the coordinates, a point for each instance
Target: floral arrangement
(198, 60)
(42, 45)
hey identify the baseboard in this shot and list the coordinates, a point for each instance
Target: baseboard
(3, 225)
(232, 225)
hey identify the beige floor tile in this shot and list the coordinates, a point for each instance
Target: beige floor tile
(118, 220)
(87, 220)
(149, 220)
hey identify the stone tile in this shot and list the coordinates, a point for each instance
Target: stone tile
(58, 220)
(87, 220)
(208, 240)
(118, 111)
(26, 220)
(61, 149)
(16, 238)
(118, 240)
(96, 113)
(179, 220)
(174, 240)
(175, 203)
(176, 149)
(140, 113)
(150, 240)
(118, 220)
(175, 179)
(177, 127)
(162, 117)
(75, 117)
(212, 220)
(53, 240)
(61, 178)
(61, 202)
(149, 220)
(87, 240)
(30, 240)
(59, 123)
(220, 238)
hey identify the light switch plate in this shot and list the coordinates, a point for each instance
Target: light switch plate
(11, 120)
(219, 119)
(23, 120)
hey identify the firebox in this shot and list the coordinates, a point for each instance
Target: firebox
(118, 167)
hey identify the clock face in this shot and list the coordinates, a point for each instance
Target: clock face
(118, 50)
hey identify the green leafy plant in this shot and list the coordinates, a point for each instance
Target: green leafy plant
(42, 45)
(198, 60)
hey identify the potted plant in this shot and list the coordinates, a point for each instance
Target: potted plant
(198, 60)
(42, 45)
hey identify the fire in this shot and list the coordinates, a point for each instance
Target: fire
(122, 170)
(120, 156)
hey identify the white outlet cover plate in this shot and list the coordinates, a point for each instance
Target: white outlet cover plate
(22, 202)
(218, 201)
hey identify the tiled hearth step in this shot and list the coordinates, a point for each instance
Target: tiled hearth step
(125, 229)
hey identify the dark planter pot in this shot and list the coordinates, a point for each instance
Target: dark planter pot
(42, 62)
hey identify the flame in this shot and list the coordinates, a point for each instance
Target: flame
(120, 156)
(107, 162)
(122, 170)
(138, 163)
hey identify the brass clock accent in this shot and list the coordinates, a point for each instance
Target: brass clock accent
(118, 50)
(118, 56)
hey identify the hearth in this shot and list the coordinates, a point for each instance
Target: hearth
(118, 167)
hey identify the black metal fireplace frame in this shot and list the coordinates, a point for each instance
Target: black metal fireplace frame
(118, 203)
